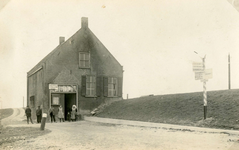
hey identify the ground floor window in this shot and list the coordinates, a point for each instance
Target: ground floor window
(112, 87)
(32, 101)
(90, 86)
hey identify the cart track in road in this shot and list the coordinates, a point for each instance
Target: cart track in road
(86, 135)
(16, 117)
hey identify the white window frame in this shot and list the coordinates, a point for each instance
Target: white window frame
(82, 61)
(112, 87)
(91, 86)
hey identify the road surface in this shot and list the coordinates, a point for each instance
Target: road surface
(86, 135)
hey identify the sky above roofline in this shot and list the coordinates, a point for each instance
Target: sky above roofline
(154, 40)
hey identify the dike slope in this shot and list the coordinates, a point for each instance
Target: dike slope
(182, 109)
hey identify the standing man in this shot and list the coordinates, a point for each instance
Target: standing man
(52, 114)
(28, 113)
(39, 114)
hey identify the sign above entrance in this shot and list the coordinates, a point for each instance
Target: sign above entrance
(65, 88)
(53, 86)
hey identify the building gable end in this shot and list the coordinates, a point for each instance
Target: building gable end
(66, 77)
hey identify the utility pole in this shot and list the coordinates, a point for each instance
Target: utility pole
(229, 72)
(1, 103)
(204, 90)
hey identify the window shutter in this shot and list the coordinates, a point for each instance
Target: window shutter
(98, 86)
(83, 86)
(120, 83)
(105, 86)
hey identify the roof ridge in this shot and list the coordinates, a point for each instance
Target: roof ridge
(104, 47)
(51, 53)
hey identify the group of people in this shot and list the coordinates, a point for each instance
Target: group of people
(28, 113)
(71, 114)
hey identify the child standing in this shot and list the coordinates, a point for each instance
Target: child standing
(69, 116)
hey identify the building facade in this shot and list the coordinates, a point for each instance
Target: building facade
(79, 71)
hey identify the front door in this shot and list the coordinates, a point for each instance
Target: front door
(70, 100)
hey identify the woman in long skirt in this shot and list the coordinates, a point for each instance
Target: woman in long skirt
(73, 113)
(60, 114)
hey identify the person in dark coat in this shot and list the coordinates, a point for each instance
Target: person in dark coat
(52, 114)
(69, 116)
(28, 113)
(39, 114)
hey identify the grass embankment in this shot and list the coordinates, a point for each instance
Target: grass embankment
(11, 134)
(4, 113)
(183, 109)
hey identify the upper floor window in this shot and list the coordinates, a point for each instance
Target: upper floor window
(84, 60)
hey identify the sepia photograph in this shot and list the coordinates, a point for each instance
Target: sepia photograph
(119, 75)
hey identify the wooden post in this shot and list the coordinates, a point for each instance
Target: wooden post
(43, 121)
(229, 72)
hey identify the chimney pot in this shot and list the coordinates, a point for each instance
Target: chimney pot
(84, 22)
(61, 40)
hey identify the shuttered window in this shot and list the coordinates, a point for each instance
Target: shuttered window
(84, 60)
(32, 101)
(105, 86)
(120, 86)
(112, 87)
(83, 85)
(99, 85)
(90, 86)
(93, 86)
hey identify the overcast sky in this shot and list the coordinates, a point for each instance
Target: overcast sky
(154, 40)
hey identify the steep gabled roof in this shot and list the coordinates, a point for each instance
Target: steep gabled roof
(84, 27)
(57, 49)
(93, 36)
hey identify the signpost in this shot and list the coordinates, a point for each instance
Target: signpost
(203, 75)
(197, 67)
(198, 75)
(207, 74)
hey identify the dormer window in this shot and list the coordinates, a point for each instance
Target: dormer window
(84, 60)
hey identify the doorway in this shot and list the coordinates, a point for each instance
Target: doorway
(70, 99)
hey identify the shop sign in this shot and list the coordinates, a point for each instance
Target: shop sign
(65, 88)
(53, 86)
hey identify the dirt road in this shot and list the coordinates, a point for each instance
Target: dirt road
(95, 136)
(86, 135)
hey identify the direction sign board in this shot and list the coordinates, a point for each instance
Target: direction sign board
(198, 75)
(197, 67)
(207, 74)
(197, 64)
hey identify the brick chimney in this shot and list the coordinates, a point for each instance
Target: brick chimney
(61, 40)
(84, 22)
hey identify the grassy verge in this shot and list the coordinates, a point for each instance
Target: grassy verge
(4, 113)
(182, 109)
(11, 134)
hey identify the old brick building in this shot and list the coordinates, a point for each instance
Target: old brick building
(79, 71)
